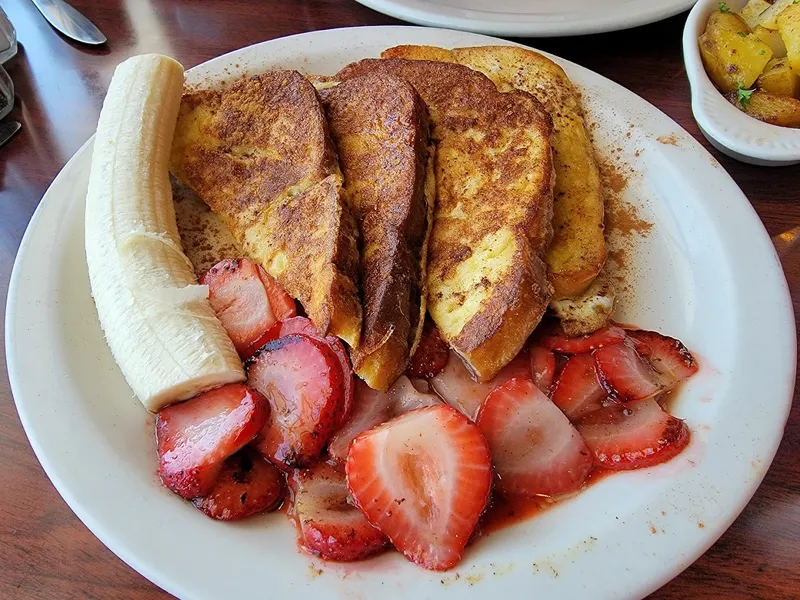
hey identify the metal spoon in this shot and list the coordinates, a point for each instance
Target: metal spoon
(70, 22)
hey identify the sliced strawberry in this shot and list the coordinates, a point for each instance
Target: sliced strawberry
(195, 437)
(554, 338)
(248, 302)
(456, 386)
(624, 374)
(633, 435)
(302, 379)
(431, 355)
(306, 327)
(667, 355)
(543, 367)
(370, 408)
(406, 397)
(535, 449)
(423, 479)
(328, 524)
(247, 485)
(578, 391)
(282, 304)
(295, 325)
(373, 408)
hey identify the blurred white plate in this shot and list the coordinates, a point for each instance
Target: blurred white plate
(707, 273)
(535, 18)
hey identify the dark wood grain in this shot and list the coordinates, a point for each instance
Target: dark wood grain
(45, 552)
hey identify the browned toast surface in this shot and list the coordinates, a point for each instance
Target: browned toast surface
(379, 126)
(578, 252)
(487, 283)
(259, 154)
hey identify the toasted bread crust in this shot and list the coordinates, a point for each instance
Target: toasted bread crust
(577, 253)
(492, 221)
(259, 154)
(379, 126)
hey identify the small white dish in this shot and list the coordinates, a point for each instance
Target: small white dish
(727, 128)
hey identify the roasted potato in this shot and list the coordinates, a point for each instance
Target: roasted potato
(753, 10)
(789, 28)
(769, 18)
(779, 78)
(726, 21)
(733, 60)
(770, 108)
(770, 38)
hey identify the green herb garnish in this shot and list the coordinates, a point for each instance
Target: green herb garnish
(741, 33)
(743, 96)
(762, 52)
(723, 7)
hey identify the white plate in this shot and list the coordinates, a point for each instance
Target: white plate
(729, 129)
(538, 18)
(707, 274)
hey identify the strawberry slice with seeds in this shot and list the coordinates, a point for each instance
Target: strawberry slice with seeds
(247, 485)
(535, 449)
(543, 367)
(432, 353)
(423, 479)
(372, 408)
(248, 302)
(328, 524)
(624, 374)
(553, 338)
(304, 326)
(302, 379)
(667, 355)
(195, 437)
(578, 391)
(456, 386)
(633, 435)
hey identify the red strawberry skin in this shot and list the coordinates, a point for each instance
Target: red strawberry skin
(195, 437)
(535, 449)
(543, 367)
(667, 355)
(373, 407)
(247, 485)
(431, 356)
(302, 379)
(304, 326)
(247, 301)
(633, 435)
(623, 373)
(578, 391)
(328, 524)
(424, 480)
(553, 338)
(456, 386)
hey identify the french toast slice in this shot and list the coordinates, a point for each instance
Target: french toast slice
(379, 126)
(578, 252)
(259, 153)
(487, 281)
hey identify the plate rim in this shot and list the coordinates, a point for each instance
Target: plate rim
(165, 581)
(556, 27)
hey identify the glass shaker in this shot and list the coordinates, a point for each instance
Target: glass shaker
(8, 48)
(8, 38)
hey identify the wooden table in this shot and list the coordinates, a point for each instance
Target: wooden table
(45, 552)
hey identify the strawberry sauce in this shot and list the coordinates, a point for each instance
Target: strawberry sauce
(504, 512)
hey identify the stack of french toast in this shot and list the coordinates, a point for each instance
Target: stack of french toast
(460, 184)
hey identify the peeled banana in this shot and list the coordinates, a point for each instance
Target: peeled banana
(157, 320)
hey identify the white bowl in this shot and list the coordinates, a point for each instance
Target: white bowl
(727, 128)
